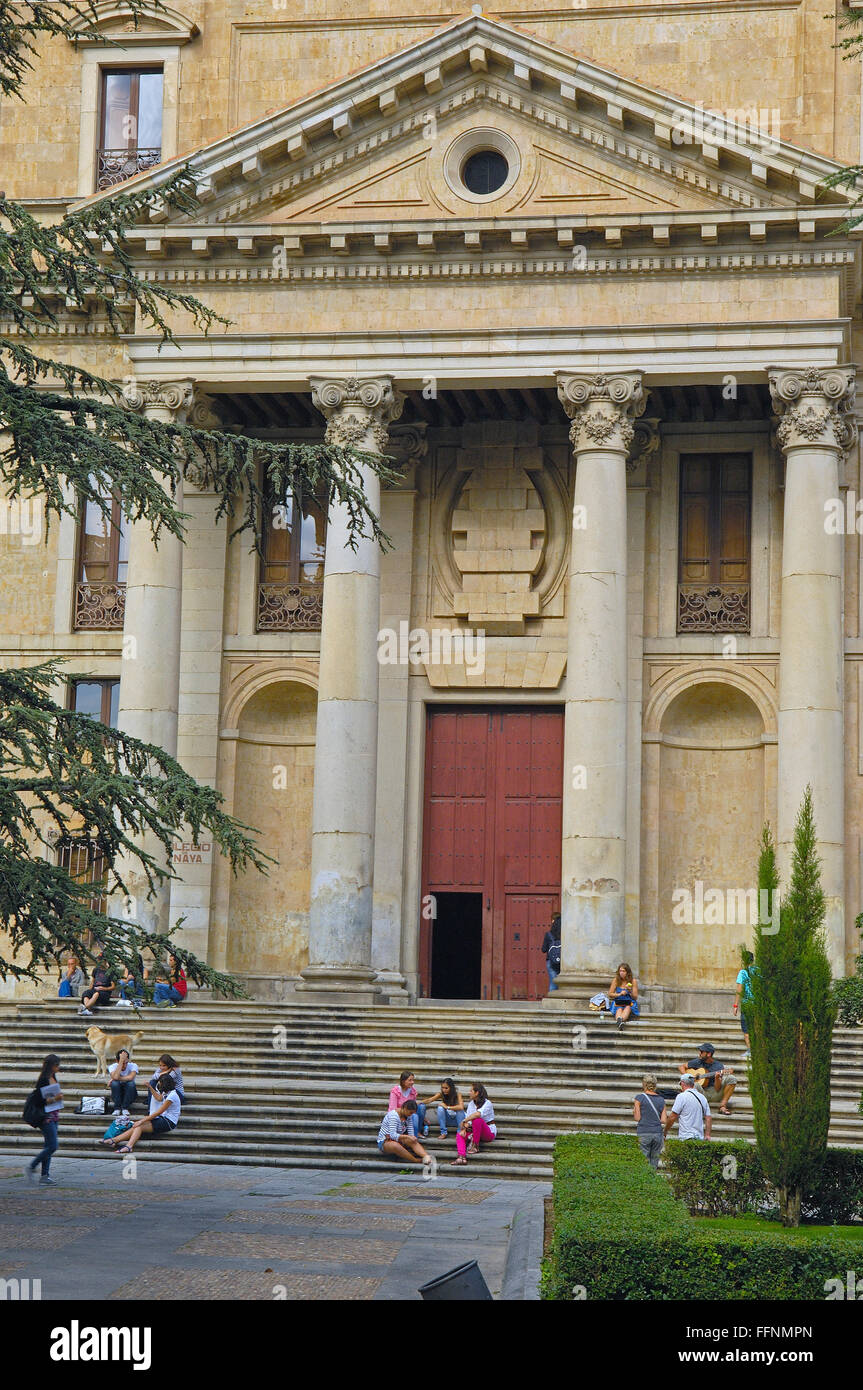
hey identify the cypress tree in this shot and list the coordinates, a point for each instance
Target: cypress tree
(792, 1015)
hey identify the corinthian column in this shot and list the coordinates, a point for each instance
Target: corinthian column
(815, 427)
(150, 671)
(602, 410)
(358, 411)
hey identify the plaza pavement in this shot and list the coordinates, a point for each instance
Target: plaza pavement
(172, 1231)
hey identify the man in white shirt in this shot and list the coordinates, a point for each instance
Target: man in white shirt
(692, 1110)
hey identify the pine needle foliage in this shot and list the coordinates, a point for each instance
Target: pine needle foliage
(69, 439)
(791, 1018)
(65, 776)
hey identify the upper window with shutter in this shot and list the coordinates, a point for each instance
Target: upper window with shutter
(131, 124)
(714, 543)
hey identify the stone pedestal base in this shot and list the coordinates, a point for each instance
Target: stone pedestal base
(393, 987)
(574, 990)
(324, 984)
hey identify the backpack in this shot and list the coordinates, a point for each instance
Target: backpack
(33, 1113)
(553, 956)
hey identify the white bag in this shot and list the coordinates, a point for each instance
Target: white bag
(599, 1002)
(92, 1105)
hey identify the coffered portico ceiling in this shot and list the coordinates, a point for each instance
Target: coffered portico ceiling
(608, 179)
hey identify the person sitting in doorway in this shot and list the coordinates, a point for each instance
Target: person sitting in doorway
(551, 950)
(393, 1136)
(711, 1076)
(623, 995)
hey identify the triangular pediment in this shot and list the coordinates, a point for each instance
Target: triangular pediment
(383, 146)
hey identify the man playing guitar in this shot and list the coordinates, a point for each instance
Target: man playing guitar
(711, 1075)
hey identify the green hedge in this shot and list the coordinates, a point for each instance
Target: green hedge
(620, 1233)
(726, 1179)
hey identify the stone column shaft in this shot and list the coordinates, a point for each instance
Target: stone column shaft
(815, 427)
(343, 816)
(150, 672)
(593, 919)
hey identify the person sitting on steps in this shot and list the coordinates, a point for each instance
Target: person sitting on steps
(449, 1105)
(623, 995)
(124, 1092)
(163, 1118)
(406, 1090)
(716, 1078)
(100, 991)
(393, 1138)
(478, 1122)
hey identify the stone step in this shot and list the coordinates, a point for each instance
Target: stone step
(540, 1084)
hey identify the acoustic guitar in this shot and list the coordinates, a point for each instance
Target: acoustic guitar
(701, 1074)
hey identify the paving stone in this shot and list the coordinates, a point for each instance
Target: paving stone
(333, 1204)
(347, 1221)
(39, 1237)
(409, 1192)
(174, 1285)
(61, 1206)
(292, 1248)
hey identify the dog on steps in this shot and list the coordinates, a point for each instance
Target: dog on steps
(105, 1045)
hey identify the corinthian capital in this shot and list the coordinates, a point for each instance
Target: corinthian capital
(168, 397)
(815, 406)
(358, 410)
(602, 408)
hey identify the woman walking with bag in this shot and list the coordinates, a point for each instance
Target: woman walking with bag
(648, 1109)
(48, 1089)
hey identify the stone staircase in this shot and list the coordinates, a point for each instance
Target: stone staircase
(305, 1086)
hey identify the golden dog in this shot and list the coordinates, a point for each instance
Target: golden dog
(103, 1043)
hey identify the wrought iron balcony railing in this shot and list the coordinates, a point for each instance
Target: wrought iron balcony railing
(713, 608)
(99, 607)
(290, 607)
(116, 165)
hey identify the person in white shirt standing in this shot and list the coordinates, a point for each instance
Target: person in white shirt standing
(478, 1122)
(692, 1110)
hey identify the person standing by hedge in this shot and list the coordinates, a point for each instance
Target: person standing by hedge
(649, 1111)
(692, 1110)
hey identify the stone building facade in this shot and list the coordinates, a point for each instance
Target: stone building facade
(575, 268)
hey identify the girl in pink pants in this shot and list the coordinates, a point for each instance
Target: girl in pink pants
(478, 1122)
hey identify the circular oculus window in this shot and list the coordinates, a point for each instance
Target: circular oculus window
(481, 164)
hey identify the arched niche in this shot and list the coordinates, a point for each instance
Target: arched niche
(273, 782)
(712, 784)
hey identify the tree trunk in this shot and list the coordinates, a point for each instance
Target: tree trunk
(789, 1205)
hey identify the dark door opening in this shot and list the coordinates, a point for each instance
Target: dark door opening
(456, 966)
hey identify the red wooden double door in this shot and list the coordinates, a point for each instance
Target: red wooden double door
(491, 850)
